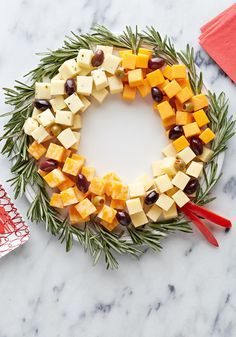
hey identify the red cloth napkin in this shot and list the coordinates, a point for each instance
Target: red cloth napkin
(219, 40)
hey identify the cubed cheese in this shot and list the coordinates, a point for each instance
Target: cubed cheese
(164, 202)
(84, 85)
(40, 134)
(139, 219)
(58, 103)
(100, 79)
(146, 181)
(163, 183)
(171, 213)
(199, 102)
(57, 87)
(46, 118)
(75, 218)
(88, 172)
(118, 204)
(111, 63)
(134, 206)
(97, 186)
(135, 77)
(195, 169)
(169, 151)
(35, 113)
(77, 122)
(66, 184)
(186, 155)
(67, 138)
(107, 214)
(184, 95)
(42, 90)
(69, 196)
(30, 125)
(84, 58)
(64, 117)
(106, 49)
(180, 180)
(36, 150)
(85, 208)
(178, 71)
(115, 85)
(56, 200)
(191, 130)
(165, 110)
(155, 78)
(76, 144)
(72, 166)
(74, 103)
(154, 213)
(55, 152)
(180, 198)
(119, 191)
(136, 190)
(206, 154)
(180, 143)
(207, 136)
(69, 69)
(201, 118)
(172, 89)
(55, 178)
(99, 95)
(168, 166)
(85, 102)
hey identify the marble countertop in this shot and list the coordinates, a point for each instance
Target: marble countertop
(188, 290)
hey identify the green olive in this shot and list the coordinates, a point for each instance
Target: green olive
(180, 165)
(56, 130)
(120, 73)
(188, 107)
(98, 201)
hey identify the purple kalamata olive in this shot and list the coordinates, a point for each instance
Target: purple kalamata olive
(123, 218)
(176, 132)
(42, 104)
(157, 95)
(196, 145)
(82, 183)
(48, 165)
(97, 58)
(70, 86)
(151, 198)
(155, 63)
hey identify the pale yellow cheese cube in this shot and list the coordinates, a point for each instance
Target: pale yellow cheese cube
(168, 165)
(206, 154)
(169, 151)
(180, 198)
(146, 181)
(106, 49)
(186, 155)
(46, 118)
(156, 168)
(180, 180)
(171, 213)
(35, 113)
(67, 138)
(163, 183)
(99, 78)
(57, 77)
(84, 85)
(99, 95)
(134, 206)
(84, 58)
(85, 71)
(30, 125)
(154, 213)
(195, 169)
(111, 63)
(76, 144)
(136, 190)
(40, 134)
(57, 87)
(139, 219)
(164, 202)
(85, 102)
(115, 85)
(69, 69)
(74, 103)
(77, 122)
(42, 90)
(64, 117)
(58, 103)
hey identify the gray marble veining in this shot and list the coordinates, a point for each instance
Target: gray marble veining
(188, 290)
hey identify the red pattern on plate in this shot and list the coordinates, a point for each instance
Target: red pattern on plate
(13, 230)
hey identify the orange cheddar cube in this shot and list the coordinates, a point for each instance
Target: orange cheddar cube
(66, 184)
(145, 51)
(183, 117)
(165, 109)
(199, 102)
(42, 173)
(125, 51)
(142, 60)
(129, 93)
(180, 143)
(155, 78)
(109, 226)
(85, 208)
(107, 214)
(135, 77)
(145, 88)
(72, 166)
(69, 196)
(80, 195)
(36, 150)
(201, 118)
(55, 178)
(97, 186)
(119, 191)
(111, 176)
(56, 200)
(167, 72)
(74, 216)
(191, 130)
(55, 152)
(172, 89)
(207, 136)
(169, 122)
(178, 105)
(183, 82)
(108, 187)
(162, 85)
(88, 172)
(128, 61)
(118, 204)
(66, 154)
(78, 157)
(184, 95)
(179, 71)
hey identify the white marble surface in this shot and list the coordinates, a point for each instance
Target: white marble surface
(187, 290)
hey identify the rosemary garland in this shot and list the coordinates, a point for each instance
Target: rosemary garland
(93, 238)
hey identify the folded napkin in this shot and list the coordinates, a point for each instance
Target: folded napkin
(219, 40)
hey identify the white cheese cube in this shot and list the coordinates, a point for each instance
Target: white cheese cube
(42, 90)
(195, 169)
(115, 85)
(106, 49)
(85, 102)
(57, 77)
(84, 85)
(85, 72)
(206, 154)
(100, 95)
(35, 113)
(69, 69)
(171, 213)
(180, 198)
(111, 63)
(146, 181)
(136, 190)
(64, 117)
(57, 87)
(30, 125)
(134, 206)
(154, 213)
(163, 183)
(77, 122)
(180, 180)
(58, 103)
(40, 134)
(100, 79)
(164, 202)
(168, 166)
(84, 58)
(139, 219)
(76, 145)
(186, 155)
(74, 103)
(67, 138)
(156, 168)
(169, 151)
(46, 118)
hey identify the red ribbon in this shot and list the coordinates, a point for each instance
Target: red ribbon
(195, 213)
(6, 223)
